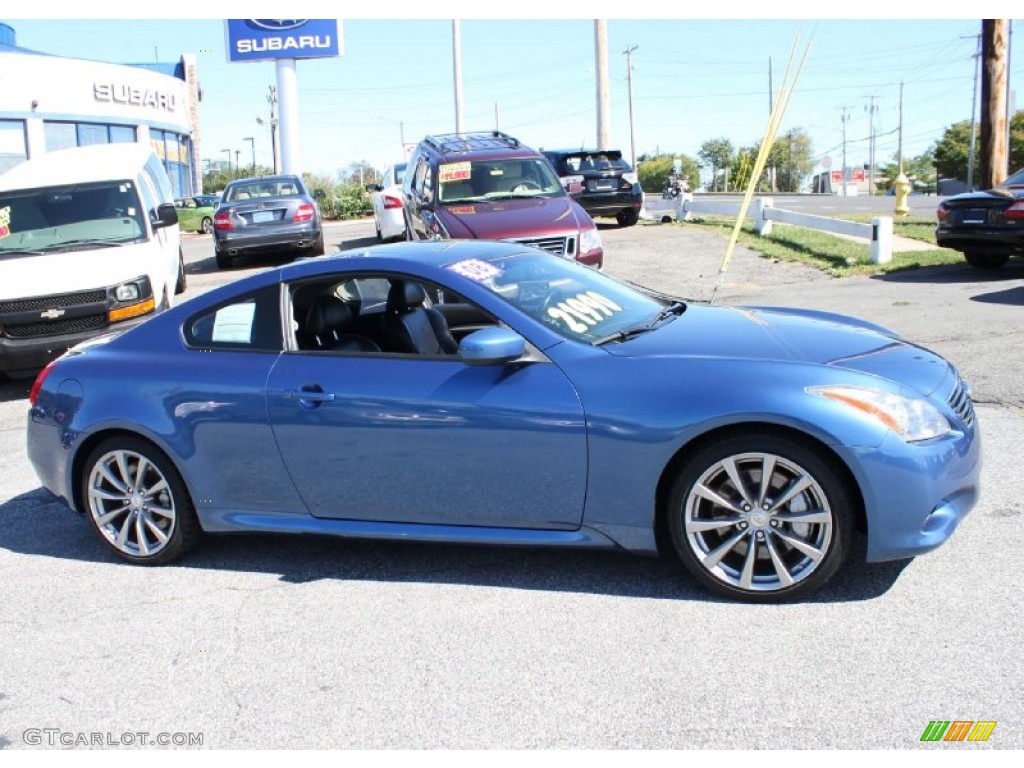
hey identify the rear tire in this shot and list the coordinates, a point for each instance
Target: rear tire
(137, 502)
(628, 217)
(986, 259)
(207, 227)
(318, 247)
(182, 283)
(223, 260)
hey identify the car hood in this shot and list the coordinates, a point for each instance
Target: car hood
(52, 273)
(510, 219)
(794, 335)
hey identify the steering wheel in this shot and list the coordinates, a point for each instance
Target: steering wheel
(526, 186)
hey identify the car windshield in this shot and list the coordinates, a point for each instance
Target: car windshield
(261, 188)
(473, 181)
(55, 218)
(577, 302)
(1017, 180)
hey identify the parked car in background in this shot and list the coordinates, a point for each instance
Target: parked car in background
(541, 403)
(489, 186)
(89, 243)
(601, 181)
(269, 214)
(195, 214)
(388, 218)
(987, 227)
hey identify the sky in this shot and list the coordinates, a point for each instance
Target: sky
(693, 79)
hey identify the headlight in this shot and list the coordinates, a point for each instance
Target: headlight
(589, 240)
(127, 292)
(912, 419)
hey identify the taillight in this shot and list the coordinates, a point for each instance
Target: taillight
(942, 212)
(222, 220)
(392, 202)
(305, 212)
(1015, 211)
(38, 384)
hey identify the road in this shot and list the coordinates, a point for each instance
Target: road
(280, 642)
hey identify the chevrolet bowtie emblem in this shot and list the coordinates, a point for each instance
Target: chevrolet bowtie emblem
(51, 314)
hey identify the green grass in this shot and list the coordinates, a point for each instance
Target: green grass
(834, 255)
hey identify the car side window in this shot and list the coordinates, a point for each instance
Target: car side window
(250, 323)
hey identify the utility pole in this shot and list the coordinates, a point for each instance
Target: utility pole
(872, 108)
(629, 81)
(994, 154)
(771, 109)
(899, 144)
(252, 145)
(497, 122)
(974, 121)
(844, 117)
(238, 153)
(457, 73)
(601, 69)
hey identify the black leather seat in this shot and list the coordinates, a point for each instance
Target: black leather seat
(328, 323)
(410, 327)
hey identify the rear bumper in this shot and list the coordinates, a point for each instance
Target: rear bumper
(237, 240)
(609, 204)
(1005, 239)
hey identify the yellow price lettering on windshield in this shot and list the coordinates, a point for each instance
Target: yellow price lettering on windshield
(582, 311)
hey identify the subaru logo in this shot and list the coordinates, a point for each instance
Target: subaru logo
(51, 314)
(278, 25)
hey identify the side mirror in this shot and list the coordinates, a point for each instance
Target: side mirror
(166, 216)
(492, 346)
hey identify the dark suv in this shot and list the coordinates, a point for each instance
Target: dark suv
(601, 181)
(488, 186)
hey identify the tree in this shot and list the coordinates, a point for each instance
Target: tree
(716, 154)
(920, 171)
(952, 150)
(219, 174)
(359, 173)
(791, 158)
(653, 171)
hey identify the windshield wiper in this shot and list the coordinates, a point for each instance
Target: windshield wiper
(674, 309)
(88, 241)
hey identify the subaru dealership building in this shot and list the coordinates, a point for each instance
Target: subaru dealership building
(50, 102)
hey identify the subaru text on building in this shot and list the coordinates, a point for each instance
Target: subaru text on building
(89, 242)
(488, 186)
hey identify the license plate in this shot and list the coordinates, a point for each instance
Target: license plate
(260, 217)
(603, 184)
(974, 216)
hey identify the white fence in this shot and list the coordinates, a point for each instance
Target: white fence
(762, 210)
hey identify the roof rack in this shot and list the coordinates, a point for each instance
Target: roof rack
(447, 143)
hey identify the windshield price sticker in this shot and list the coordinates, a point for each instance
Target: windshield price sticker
(454, 171)
(477, 270)
(5, 221)
(584, 310)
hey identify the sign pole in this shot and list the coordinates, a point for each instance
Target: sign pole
(288, 116)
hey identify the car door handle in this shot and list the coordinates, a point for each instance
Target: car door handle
(310, 396)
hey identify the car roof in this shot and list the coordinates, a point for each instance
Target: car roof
(263, 179)
(97, 162)
(431, 253)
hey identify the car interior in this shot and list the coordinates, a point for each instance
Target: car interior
(377, 315)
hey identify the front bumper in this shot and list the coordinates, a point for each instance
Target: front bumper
(28, 356)
(915, 494)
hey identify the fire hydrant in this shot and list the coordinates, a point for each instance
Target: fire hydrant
(902, 186)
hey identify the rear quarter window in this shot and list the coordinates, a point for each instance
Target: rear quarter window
(249, 323)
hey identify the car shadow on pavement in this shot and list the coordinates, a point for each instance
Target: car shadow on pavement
(15, 389)
(1012, 296)
(35, 524)
(955, 273)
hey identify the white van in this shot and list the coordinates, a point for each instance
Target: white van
(89, 243)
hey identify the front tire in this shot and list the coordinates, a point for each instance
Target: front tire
(137, 502)
(986, 259)
(761, 517)
(182, 283)
(207, 226)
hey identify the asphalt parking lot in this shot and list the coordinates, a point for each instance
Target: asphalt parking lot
(304, 642)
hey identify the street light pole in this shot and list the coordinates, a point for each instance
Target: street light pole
(229, 159)
(629, 80)
(252, 143)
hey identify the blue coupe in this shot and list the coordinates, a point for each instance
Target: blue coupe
(491, 393)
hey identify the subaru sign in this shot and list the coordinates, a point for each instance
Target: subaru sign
(265, 39)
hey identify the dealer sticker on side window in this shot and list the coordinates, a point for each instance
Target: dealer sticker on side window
(454, 171)
(475, 269)
(5, 221)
